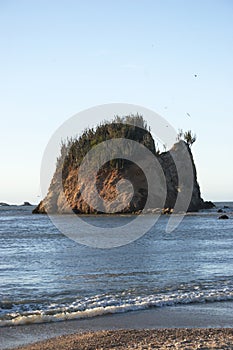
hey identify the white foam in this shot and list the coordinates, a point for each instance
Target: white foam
(102, 305)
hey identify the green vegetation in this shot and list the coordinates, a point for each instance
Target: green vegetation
(131, 127)
(189, 137)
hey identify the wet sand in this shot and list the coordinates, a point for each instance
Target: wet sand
(126, 328)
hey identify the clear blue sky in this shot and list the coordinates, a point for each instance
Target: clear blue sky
(60, 57)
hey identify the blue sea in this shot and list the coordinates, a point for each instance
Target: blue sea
(46, 277)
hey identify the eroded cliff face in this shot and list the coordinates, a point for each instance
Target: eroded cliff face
(64, 195)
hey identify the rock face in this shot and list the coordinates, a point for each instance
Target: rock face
(64, 194)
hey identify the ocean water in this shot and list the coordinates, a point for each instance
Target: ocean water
(46, 277)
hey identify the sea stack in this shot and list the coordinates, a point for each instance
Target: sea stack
(64, 194)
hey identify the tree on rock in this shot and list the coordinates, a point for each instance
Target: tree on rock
(189, 137)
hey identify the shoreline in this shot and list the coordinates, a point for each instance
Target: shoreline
(207, 316)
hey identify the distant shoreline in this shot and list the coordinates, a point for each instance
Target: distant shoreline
(25, 204)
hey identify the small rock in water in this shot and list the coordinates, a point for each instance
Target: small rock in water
(223, 217)
(167, 211)
(220, 211)
(27, 204)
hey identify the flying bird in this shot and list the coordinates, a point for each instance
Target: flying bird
(188, 114)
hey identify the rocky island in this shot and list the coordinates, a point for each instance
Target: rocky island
(65, 195)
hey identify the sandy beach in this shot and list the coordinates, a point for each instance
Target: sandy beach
(141, 339)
